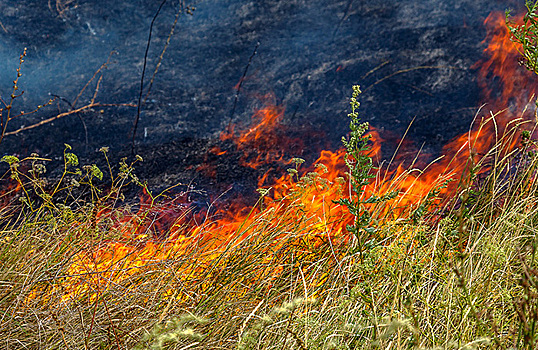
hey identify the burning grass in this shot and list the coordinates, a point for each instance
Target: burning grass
(285, 274)
(447, 262)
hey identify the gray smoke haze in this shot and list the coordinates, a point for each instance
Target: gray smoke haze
(311, 52)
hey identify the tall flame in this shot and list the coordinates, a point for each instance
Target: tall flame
(266, 141)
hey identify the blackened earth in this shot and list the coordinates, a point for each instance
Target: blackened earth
(310, 54)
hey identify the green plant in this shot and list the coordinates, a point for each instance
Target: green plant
(526, 35)
(40, 192)
(360, 173)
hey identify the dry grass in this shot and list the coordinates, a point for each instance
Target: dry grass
(461, 279)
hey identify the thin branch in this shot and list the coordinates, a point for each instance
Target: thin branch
(406, 71)
(4, 28)
(104, 65)
(241, 84)
(13, 96)
(135, 126)
(373, 70)
(78, 115)
(65, 114)
(346, 12)
(163, 51)
(96, 90)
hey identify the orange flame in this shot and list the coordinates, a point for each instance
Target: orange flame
(113, 262)
(262, 143)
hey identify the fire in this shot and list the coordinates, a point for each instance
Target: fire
(160, 232)
(516, 84)
(263, 142)
(506, 87)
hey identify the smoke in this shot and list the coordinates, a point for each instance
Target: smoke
(412, 58)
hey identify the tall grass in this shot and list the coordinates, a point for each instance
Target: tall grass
(461, 277)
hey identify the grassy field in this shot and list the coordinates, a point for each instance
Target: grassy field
(340, 255)
(451, 268)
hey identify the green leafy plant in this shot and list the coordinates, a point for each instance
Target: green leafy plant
(526, 34)
(39, 192)
(360, 173)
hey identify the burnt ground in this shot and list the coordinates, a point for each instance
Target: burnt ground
(310, 54)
